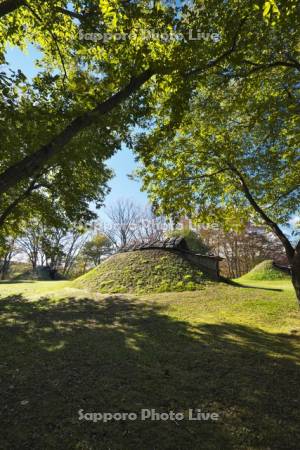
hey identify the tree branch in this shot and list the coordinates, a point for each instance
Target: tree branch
(8, 6)
(285, 194)
(196, 177)
(34, 162)
(72, 14)
(262, 67)
(274, 227)
(294, 60)
(18, 200)
(36, 15)
(224, 55)
(75, 15)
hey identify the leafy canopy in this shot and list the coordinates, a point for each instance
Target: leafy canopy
(78, 71)
(241, 120)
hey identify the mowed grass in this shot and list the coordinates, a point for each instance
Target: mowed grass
(229, 349)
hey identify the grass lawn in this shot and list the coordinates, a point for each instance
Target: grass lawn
(228, 349)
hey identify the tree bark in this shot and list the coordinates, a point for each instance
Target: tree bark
(295, 264)
(5, 265)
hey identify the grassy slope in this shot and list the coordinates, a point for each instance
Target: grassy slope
(143, 271)
(229, 349)
(265, 271)
(20, 271)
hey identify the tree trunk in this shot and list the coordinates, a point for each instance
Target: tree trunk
(292, 254)
(5, 266)
(4, 269)
(34, 262)
(295, 263)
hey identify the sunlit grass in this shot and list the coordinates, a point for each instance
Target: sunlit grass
(231, 349)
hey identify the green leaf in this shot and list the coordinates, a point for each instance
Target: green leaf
(266, 9)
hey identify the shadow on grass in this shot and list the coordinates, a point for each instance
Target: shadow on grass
(236, 284)
(15, 281)
(123, 355)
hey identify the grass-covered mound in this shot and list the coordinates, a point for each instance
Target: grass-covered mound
(265, 271)
(40, 274)
(143, 271)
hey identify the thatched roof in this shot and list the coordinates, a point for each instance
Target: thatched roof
(172, 243)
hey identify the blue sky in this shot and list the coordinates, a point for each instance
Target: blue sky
(122, 163)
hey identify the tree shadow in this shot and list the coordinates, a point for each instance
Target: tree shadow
(236, 284)
(15, 281)
(122, 355)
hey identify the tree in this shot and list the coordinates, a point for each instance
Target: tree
(129, 223)
(124, 217)
(96, 248)
(60, 246)
(73, 244)
(7, 251)
(30, 243)
(103, 84)
(72, 182)
(52, 249)
(52, 241)
(149, 227)
(244, 249)
(233, 159)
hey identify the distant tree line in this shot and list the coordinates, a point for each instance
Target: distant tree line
(242, 250)
(69, 250)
